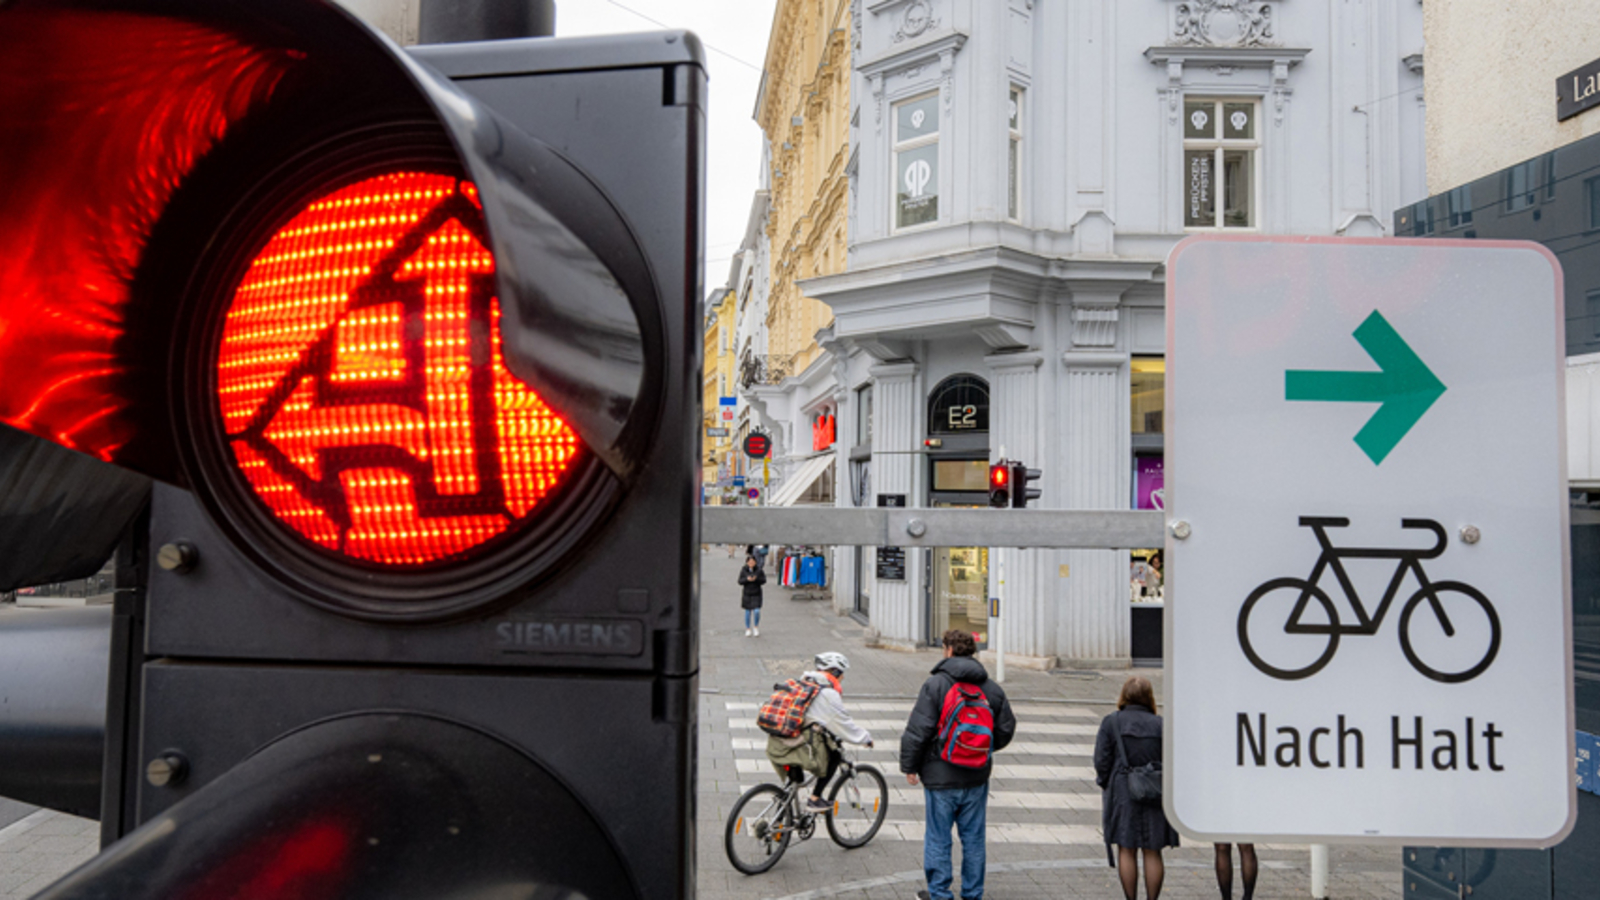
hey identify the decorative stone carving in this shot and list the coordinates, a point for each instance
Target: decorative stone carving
(1094, 326)
(947, 68)
(1174, 90)
(1222, 23)
(915, 19)
(855, 28)
(1280, 92)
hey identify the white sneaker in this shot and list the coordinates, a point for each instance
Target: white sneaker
(747, 632)
(757, 631)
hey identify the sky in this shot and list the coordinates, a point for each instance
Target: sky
(735, 34)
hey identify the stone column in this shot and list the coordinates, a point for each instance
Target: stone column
(1094, 628)
(897, 606)
(1014, 425)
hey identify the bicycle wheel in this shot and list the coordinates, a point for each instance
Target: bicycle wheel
(758, 829)
(860, 803)
(1462, 644)
(1293, 647)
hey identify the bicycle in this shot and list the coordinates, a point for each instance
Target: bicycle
(768, 816)
(1409, 561)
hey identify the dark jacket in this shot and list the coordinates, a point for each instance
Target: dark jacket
(1128, 823)
(919, 746)
(752, 579)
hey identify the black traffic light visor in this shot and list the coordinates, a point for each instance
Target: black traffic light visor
(111, 104)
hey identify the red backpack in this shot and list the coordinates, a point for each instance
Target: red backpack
(784, 713)
(966, 727)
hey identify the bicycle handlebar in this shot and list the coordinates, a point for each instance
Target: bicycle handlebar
(1438, 531)
(1318, 523)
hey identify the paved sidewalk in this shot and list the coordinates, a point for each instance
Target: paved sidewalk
(1044, 811)
(41, 847)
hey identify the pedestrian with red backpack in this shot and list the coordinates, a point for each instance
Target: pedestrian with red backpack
(960, 720)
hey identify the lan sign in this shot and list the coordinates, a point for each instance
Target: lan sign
(1367, 620)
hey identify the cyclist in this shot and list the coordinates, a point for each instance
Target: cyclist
(816, 749)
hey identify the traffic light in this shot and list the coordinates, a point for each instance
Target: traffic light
(1021, 477)
(406, 340)
(1000, 476)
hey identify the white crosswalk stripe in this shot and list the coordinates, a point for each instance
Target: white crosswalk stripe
(889, 748)
(895, 726)
(1031, 710)
(901, 797)
(1001, 770)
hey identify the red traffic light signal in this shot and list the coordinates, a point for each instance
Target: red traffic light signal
(1000, 484)
(407, 348)
(362, 387)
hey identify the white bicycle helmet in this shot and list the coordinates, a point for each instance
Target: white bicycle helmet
(832, 660)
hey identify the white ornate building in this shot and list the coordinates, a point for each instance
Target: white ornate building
(1019, 171)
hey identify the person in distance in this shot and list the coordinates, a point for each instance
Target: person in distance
(1130, 738)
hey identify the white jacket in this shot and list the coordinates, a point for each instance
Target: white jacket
(827, 710)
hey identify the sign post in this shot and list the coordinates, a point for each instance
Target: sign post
(1368, 619)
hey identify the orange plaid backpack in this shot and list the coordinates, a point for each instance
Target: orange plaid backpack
(784, 713)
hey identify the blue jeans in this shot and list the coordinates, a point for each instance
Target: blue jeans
(752, 618)
(967, 810)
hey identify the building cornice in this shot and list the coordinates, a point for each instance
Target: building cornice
(1241, 57)
(930, 45)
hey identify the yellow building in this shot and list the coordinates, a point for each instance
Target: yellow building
(804, 110)
(718, 383)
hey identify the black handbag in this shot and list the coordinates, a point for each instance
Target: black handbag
(1144, 782)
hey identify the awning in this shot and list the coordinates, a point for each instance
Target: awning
(805, 476)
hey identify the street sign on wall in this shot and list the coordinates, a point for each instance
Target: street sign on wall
(1367, 620)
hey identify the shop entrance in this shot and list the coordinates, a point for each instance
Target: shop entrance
(960, 585)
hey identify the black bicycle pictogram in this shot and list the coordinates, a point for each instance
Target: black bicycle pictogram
(1433, 593)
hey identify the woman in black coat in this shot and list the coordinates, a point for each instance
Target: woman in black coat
(752, 578)
(1129, 824)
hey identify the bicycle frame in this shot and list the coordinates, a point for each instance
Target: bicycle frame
(1410, 561)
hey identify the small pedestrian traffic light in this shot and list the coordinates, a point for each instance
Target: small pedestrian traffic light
(1000, 485)
(1021, 477)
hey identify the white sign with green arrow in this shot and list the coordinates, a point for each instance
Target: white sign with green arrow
(1368, 623)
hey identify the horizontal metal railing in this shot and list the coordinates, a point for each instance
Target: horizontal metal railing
(897, 527)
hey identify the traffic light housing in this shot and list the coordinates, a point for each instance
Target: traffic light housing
(1021, 477)
(1000, 478)
(406, 340)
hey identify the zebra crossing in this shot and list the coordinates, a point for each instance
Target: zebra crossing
(1041, 792)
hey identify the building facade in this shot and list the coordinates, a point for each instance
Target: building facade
(804, 110)
(1513, 139)
(1018, 171)
(719, 381)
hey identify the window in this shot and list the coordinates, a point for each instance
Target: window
(1459, 203)
(960, 475)
(1521, 187)
(1591, 308)
(1591, 188)
(1014, 158)
(1220, 146)
(864, 415)
(1148, 391)
(916, 161)
(959, 405)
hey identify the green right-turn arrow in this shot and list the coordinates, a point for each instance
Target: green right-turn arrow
(1404, 385)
